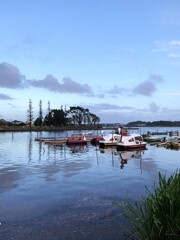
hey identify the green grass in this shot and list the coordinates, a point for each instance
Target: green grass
(156, 216)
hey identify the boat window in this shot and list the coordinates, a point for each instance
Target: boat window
(116, 138)
(139, 138)
(131, 140)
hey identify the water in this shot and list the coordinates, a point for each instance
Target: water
(49, 192)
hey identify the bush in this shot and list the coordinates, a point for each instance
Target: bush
(156, 216)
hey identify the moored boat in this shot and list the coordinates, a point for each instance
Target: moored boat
(76, 139)
(153, 139)
(132, 141)
(174, 133)
(95, 140)
(110, 140)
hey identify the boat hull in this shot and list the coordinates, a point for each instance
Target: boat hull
(96, 140)
(73, 142)
(131, 147)
(107, 143)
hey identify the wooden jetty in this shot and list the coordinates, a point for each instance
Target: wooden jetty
(53, 141)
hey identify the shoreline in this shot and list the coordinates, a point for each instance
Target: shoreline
(47, 129)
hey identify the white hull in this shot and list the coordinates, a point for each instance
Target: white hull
(133, 141)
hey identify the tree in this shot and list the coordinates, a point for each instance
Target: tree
(77, 114)
(56, 117)
(40, 113)
(47, 120)
(94, 119)
(30, 114)
(39, 120)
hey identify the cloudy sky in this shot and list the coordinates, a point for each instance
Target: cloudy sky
(118, 58)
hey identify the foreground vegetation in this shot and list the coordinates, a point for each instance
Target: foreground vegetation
(156, 216)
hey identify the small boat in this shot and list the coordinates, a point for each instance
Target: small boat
(132, 141)
(76, 139)
(157, 133)
(173, 133)
(95, 140)
(153, 139)
(110, 140)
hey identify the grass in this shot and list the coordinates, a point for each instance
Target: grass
(156, 216)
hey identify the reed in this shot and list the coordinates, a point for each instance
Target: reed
(156, 216)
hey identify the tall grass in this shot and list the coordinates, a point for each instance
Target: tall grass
(156, 216)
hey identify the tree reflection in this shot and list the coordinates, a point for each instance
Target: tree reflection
(30, 150)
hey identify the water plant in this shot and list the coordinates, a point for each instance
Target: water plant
(157, 215)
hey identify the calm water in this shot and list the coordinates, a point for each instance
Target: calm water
(49, 192)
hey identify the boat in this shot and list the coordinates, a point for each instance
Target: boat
(76, 139)
(110, 140)
(113, 138)
(95, 140)
(157, 133)
(174, 133)
(153, 139)
(132, 141)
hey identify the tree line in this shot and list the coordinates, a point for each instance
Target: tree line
(160, 123)
(74, 116)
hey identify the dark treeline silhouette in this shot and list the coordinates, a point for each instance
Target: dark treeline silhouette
(154, 124)
(75, 116)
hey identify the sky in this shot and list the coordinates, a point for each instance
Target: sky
(118, 58)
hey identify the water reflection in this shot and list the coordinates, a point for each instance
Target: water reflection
(112, 151)
(24, 158)
(8, 178)
(77, 148)
(30, 150)
(125, 156)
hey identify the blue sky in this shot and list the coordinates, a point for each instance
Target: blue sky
(118, 58)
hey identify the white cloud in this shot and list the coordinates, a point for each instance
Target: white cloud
(172, 48)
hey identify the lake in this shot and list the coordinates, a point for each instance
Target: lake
(53, 193)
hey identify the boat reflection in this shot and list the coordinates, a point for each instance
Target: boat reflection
(77, 148)
(128, 155)
(124, 156)
(111, 150)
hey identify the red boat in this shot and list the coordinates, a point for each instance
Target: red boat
(96, 140)
(76, 139)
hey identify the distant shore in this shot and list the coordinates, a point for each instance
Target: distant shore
(48, 129)
(63, 128)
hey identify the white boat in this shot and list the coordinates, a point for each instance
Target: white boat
(110, 140)
(132, 141)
